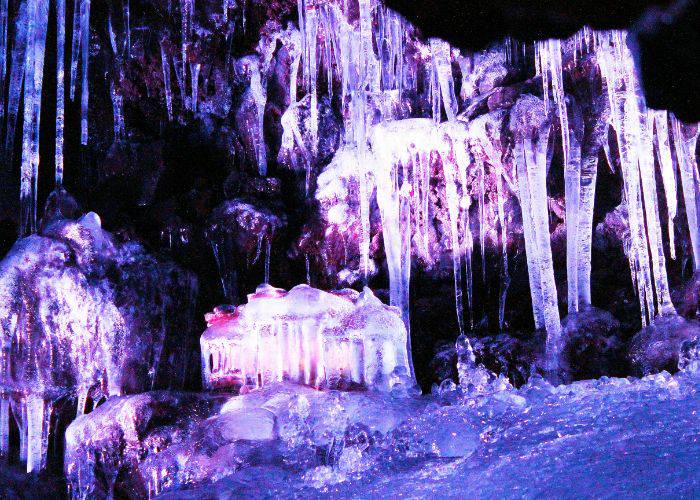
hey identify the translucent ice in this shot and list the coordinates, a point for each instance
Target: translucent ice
(307, 336)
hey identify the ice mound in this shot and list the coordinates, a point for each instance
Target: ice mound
(308, 336)
(84, 317)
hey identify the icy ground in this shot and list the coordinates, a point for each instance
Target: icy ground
(604, 438)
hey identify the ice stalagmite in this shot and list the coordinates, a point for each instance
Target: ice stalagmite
(685, 141)
(663, 151)
(531, 127)
(195, 68)
(33, 81)
(85, 55)
(442, 81)
(16, 77)
(60, 86)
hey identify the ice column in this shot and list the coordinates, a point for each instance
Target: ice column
(531, 131)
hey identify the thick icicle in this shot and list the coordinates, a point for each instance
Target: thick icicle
(668, 177)
(685, 145)
(85, 56)
(531, 140)
(572, 186)
(16, 77)
(34, 77)
(37, 430)
(635, 141)
(616, 64)
(60, 86)
(443, 81)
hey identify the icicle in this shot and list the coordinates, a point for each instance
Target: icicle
(503, 231)
(482, 215)
(16, 77)
(82, 401)
(443, 80)
(449, 166)
(531, 161)
(194, 72)
(663, 150)
(572, 187)
(4, 426)
(75, 46)
(60, 87)
(636, 158)
(118, 112)
(34, 73)
(311, 33)
(268, 250)
(4, 20)
(85, 48)
(127, 29)
(165, 64)
(260, 98)
(587, 182)
(38, 418)
(687, 166)
(295, 51)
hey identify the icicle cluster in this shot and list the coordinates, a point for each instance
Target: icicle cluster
(307, 336)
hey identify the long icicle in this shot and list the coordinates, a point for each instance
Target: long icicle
(60, 87)
(16, 77)
(34, 74)
(4, 22)
(687, 166)
(85, 56)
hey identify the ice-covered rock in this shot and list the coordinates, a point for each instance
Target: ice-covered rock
(162, 441)
(85, 316)
(657, 346)
(307, 336)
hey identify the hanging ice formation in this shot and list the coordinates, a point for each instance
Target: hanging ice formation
(60, 87)
(530, 125)
(685, 141)
(33, 80)
(165, 64)
(442, 82)
(634, 133)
